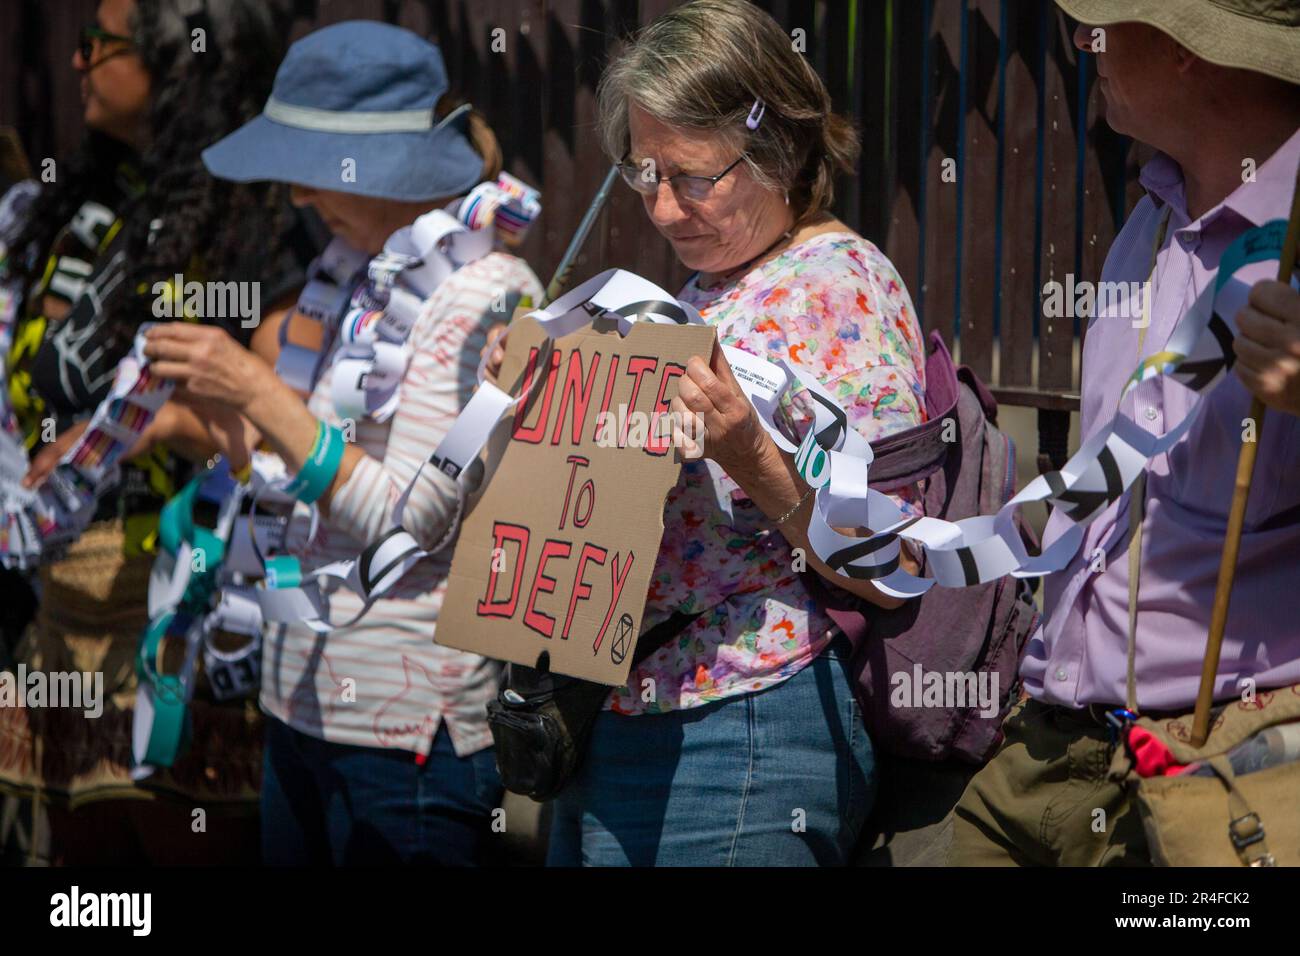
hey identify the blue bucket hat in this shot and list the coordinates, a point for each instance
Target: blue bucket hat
(362, 91)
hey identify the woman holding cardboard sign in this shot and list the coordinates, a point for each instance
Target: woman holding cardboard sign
(377, 747)
(738, 742)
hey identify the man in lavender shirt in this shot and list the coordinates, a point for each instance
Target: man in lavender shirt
(1215, 88)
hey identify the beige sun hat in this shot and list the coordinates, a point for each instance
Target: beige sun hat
(1258, 35)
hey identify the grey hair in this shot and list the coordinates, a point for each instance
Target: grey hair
(702, 66)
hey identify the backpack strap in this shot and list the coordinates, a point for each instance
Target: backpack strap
(909, 456)
(847, 611)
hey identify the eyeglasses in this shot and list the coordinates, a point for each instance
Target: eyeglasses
(92, 35)
(645, 180)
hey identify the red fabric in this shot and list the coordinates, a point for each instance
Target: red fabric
(1151, 757)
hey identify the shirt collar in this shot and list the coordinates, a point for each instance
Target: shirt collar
(1268, 197)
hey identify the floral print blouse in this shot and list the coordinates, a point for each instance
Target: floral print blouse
(835, 306)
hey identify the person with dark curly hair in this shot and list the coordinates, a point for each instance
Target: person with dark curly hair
(160, 80)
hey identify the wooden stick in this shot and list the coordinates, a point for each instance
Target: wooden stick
(561, 277)
(1237, 515)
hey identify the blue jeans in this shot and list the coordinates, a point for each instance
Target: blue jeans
(326, 803)
(781, 777)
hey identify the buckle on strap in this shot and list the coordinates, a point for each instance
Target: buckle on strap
(1117, 720)
(1250, 831)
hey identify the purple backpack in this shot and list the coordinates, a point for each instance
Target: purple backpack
(980, 630)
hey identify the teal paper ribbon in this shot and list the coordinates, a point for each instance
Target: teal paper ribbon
(170, 732)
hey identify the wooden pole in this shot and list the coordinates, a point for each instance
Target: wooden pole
(1237, 515)
(561, 277)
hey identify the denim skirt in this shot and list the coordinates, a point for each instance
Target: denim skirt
(784, 776)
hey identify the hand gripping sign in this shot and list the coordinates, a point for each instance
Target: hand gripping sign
(291, 595)
(556, 556)
(836, 461)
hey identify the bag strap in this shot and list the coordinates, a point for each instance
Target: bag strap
(846, 611)
(1245, 829)
(1136, 514)
(661, 634)
(522, 676)
(906, 457)
(1138, 495)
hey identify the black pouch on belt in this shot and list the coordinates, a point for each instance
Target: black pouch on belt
(541, 722)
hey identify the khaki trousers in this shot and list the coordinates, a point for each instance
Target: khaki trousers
(1045, 800)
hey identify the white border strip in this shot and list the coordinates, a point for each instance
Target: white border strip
(342, 121)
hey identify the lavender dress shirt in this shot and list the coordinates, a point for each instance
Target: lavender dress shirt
(1079, 655)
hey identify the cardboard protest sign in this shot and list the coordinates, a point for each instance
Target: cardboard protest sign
(554, 560)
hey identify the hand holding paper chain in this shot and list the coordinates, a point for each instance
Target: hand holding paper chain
(372, 356)
(62, 508)
(369, 363)
(369, 366)
(836, 461)
(987, 547)
(290, 596)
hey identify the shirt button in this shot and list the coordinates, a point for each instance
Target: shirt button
(1062, 674)
(1152, 414)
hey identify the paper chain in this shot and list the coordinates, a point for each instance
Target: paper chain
(42, 522)
(836, 461)
(372, 359)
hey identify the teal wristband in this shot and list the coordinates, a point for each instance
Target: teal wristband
(321, 466)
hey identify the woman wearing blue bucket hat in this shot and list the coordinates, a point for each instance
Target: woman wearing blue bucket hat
(377, 746)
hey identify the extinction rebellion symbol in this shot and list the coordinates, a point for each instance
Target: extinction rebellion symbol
(623, 639)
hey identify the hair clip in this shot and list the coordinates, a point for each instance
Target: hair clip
(756, 114)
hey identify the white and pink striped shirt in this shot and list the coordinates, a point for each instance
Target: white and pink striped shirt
(384, 682)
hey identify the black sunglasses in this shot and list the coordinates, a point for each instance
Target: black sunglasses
(91, 36)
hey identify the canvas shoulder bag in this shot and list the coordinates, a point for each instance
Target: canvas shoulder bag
(1235, 801)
